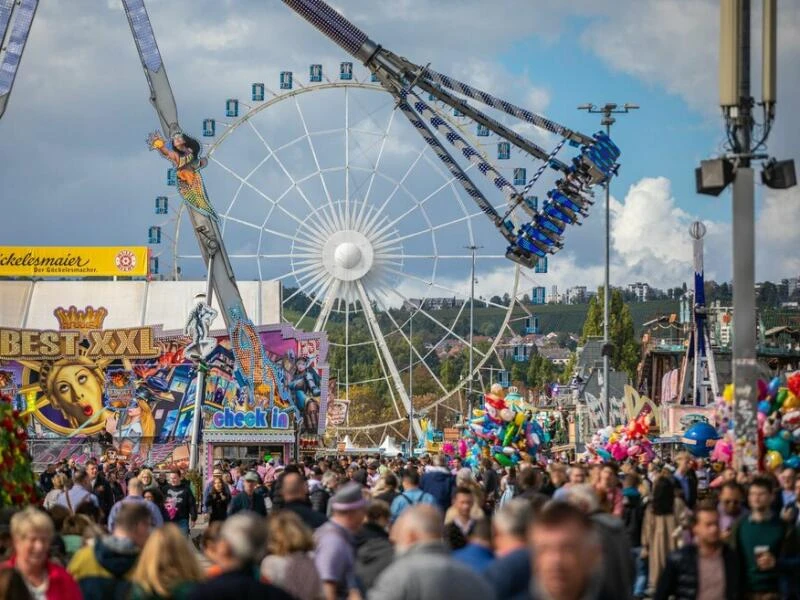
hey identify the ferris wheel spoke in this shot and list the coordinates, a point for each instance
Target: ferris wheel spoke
(325, 285)
(421, 203)
(388, 313)
(435, 320)
(283, 168)
(383, 351)
(311, 233)
(361, 212)
(294, 273)
(333, 212)
(437, 227)
(327, 305)
(369, 225)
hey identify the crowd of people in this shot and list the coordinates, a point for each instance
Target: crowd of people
(393, 528)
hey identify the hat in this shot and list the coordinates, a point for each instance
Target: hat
(374, 465)
(217, 473)
(252, 476)
(348, 498)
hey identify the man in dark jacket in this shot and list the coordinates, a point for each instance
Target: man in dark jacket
(633, 516)
(438, 482)
(179, 502)
(295, 499)
(100, 487)
(374, 551)
(510, 571)
(101, 570)
(252, 498)
(706, 569)
(320, 495)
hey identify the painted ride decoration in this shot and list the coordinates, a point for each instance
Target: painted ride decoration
(136, 388)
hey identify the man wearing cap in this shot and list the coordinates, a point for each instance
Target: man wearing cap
(252, 497)
(335, 557)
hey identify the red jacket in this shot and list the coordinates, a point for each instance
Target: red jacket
(61, 585)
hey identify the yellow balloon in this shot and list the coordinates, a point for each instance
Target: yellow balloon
(613, 438)
(773, 460)
(792, 402)
(727, 394)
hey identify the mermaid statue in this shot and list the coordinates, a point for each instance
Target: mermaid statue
(185, 155)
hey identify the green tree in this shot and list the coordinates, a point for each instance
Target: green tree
(519, 373)
(620, 330)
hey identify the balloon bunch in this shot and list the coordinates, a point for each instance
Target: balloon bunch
(501, 430)
(779, 421)
(623, 442)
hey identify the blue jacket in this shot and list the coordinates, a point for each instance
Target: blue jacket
(438, 482)
(409, 498)
(475, 556)
(510, 575)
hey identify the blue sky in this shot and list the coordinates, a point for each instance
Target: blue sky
(74, 169)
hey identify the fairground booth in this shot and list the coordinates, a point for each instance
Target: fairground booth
(99, 369)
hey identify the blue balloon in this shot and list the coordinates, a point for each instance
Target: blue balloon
(779, 444)
(699, 439)
(764, 407)
(793, 462)
(773, 387)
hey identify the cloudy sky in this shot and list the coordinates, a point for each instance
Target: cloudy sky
(74, 169)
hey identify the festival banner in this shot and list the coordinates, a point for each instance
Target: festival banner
(73, 261)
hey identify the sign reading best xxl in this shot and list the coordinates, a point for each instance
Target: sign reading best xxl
(73, 261)
(107, 343)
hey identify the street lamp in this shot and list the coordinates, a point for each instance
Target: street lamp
(607, 110)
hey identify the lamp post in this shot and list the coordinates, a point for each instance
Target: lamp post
(607, 110)
(472, 248)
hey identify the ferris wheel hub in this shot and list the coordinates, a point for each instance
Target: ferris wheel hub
(348, 255)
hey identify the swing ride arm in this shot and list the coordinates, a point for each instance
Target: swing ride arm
(16, 17)
(206, 228)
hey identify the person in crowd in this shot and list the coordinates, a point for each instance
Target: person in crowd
(180, 503)
(72, 497)
(706, 569)
(686, 478)
(462, 525)
(135, 495)
(238, 554)
(322, 494)
(58, 483)
(731, 507)
(609, 490)
(411, 494)
(557, 478)
(314, 479)
(215, 474)
(466, 480)
(438, 482)
(46, 478)
(252, 498)
(374, 550)
(663, 517)
(633, 516)
(766, 546)
(385, 488)
(156, 496)
(477, 554)
(12, 585)
(490, 481)
(147, 479)
(373, 473)
(99, 486)
(295, 499)
(423, 568)
(74, 533)
(102, 570)
(335, 557)
(218, 500)
(786, 496)
(529, 482)
(114, 485)
(32, 533)
(167, 568)
(508, 486)
(288, 564)
(576, 475)
(510, 571)
(566, 555)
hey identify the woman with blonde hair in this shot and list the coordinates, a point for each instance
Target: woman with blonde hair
(147, 479)
(167, 567)
(60, 481)
(289, 565)
(32, 533)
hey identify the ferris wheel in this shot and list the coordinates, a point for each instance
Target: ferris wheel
(321, 185)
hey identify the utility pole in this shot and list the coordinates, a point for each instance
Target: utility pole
(472, 248)
(713, 176)
(607, 110)
(411, 380)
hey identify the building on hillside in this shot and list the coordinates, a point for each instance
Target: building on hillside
(556, 355)
(434, 303)
(641, 291)
(539, 295)
(553, 298)
(576, 294)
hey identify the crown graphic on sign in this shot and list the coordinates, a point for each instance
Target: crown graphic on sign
(82, 320)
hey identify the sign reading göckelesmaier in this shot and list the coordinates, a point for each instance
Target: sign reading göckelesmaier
(73, 261)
